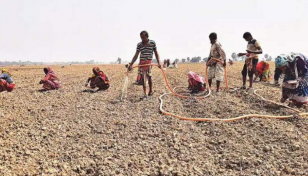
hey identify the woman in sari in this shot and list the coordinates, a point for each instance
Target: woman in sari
(262, 71)
(50, 81)
(295, 82)
(98, 79)
(6, 81)
(196, 83)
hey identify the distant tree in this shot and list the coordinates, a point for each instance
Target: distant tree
(269, 58)
(205, 59)
(241, 59)
(192, 59)
(199, 58)
(196, 59)
(177, 60)
(89, 62)
(266, 56)
(183, 60)
(234, 56)
(119, 60)
(188, 59)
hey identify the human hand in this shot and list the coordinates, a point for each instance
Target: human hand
(211, 61)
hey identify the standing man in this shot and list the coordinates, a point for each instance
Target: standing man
(253, 49)
(216, 67)
(146, 47)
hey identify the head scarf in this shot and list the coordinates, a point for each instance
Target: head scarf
(50, 74)
(301, 56)
(196, 77)
(291, 57)
(6, 71)
(282, 59)
(96, 70)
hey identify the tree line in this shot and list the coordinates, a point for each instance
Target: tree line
(205, 59)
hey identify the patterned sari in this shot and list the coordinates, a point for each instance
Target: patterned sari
(296, 74)
(6, 81)
(99, 79)
(51, 81)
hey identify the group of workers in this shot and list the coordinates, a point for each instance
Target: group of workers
(51, 82)
(293, 66)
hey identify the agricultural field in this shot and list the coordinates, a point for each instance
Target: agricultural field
(71, 132)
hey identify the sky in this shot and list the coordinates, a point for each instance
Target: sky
(103, 30)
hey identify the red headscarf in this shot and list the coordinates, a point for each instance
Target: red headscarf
(50, 75)
(100, 73)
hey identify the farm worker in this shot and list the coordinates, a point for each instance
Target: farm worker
(175, 64)
(146, 47)
(50, 81)
(6, 81)
(196, 82)
(295, 82)
(262, 71)
(215, 69)
(165, 64)
(230, 62)
(253, 49)
(168, 62)
(98, 79)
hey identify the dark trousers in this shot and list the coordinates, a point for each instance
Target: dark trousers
(252, 71)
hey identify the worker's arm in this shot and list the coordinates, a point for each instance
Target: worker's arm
(46, 78)
(255, 52)
(87, 82)
(241, 54)
(133, 61)
(157, 58)
(222, 54)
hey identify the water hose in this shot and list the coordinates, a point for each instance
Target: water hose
(172, 91)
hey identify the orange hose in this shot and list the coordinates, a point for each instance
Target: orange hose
(213, 119)
(183, 96)
(273, 102)
(223, 120)
(168, 85)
